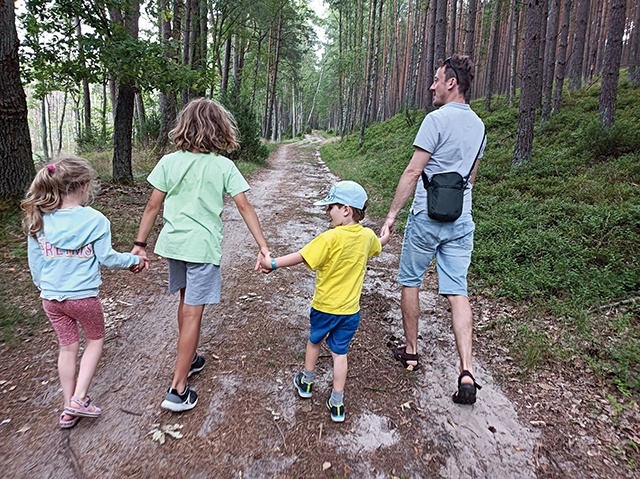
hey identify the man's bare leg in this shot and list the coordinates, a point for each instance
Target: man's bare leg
(462, 319)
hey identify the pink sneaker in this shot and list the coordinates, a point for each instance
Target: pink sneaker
(86, 409)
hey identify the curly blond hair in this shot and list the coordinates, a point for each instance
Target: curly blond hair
(205, 126)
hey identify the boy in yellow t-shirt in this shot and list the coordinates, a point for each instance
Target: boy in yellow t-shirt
(339, 257)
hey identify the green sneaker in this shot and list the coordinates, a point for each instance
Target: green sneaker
(304, 389)
(337, 412)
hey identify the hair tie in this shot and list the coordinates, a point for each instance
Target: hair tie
(51, 167)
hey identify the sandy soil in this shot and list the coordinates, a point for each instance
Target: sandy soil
(249, 422)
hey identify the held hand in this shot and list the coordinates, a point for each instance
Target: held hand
(264, 252)
(142, 265)
(387, 228)
(265, 263)
(385, 236)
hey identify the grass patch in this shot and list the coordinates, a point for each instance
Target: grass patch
(559, 235)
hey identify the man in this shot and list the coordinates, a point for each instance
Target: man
(450, 139)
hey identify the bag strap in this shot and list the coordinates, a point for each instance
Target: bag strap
(466, 180)
(425, 179)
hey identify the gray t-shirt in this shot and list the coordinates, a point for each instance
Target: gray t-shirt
(452, 134)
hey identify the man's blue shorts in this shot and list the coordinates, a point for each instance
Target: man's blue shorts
(338, 328)
(450, 243)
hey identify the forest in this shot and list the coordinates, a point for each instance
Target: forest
(102, 74)
(556, 261)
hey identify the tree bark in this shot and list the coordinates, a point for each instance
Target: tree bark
(634, 49)
(441, 30)
(577, 52)
(491, 63)
(372, 64)
(550, 58)
(562, 56)
(513, 51)
(612, 57)
(469, 36)
(531, 71)
(61, 122)
(15, 143)
(123, 122)
(167, 100)
(44, 129)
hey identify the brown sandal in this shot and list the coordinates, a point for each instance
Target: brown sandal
(400, 354)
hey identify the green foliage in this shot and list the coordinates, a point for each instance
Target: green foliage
(251, 148)
(94, 140)
(14, 278)
(560, 235)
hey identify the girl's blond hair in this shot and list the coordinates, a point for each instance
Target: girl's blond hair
(52, 183)
(205, 126)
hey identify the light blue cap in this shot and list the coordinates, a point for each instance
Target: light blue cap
(347, 193)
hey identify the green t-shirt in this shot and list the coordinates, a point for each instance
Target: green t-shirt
(195, 185)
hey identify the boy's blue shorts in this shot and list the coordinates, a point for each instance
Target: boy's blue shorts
(338, 328)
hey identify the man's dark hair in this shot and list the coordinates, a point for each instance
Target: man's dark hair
(461, 68)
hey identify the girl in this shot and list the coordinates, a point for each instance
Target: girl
(67, 242)
(192, 183)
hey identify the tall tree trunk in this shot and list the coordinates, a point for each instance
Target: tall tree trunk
(372, 62)
(441, 30)
(226, 66)
(470, 32)
(15, 143)
(44, 129)
(562, 56)
(550, 58)
(531, 71)
(274, 79)
(579, 39)
(634, 49)
(492, 59)
(431, 52)
(513, 50)
(167, 99)
(451, 43)
(49, 127)
(123, 123)
(186, 44)
(612, 57)
(86, 93)
(61, 122)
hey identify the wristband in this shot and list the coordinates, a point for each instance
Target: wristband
(273, 263)
(142, 244)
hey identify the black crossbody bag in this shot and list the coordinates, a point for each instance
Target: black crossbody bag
(445, 192)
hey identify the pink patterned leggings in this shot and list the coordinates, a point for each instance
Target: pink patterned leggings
(65, 316)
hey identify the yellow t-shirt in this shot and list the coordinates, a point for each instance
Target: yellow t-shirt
(339, 257)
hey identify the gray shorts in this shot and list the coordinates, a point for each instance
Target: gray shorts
(201, 281)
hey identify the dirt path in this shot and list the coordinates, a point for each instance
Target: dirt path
(249, 422)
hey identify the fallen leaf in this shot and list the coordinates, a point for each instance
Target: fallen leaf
(326, 465)
(6, 421)
(517, 448)
(538, 423)
(23, 429)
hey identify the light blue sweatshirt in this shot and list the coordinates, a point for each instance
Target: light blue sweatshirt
(66, 257)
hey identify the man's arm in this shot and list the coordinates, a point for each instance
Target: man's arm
(406, 187)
